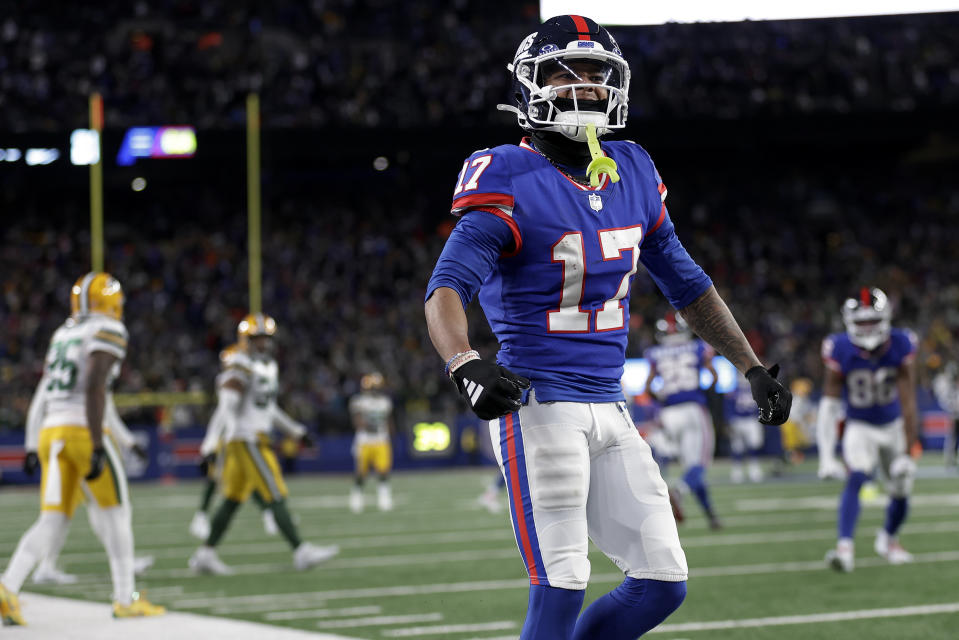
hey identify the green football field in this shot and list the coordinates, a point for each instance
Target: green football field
(441, 566)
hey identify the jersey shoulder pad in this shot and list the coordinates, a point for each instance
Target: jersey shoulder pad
(107, 334)
(485, 180)
(237, 363)
(905, 342)
(833, 347)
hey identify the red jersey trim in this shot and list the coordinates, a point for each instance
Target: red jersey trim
(475, 200)
(662, 216)
(508, 219)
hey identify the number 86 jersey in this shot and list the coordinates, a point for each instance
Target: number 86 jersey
(554, 260)
(870, 378)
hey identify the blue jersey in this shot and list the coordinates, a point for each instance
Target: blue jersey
(553, 261)
(678, 366)
(869, 378)
(739, 402)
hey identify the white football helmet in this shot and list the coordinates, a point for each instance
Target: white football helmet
(868, 318)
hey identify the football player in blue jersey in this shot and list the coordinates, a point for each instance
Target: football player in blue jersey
(550, 235)
(870, 369)
(685, 417)
(745, 433)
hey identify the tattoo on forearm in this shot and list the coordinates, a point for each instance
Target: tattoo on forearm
(711, 319)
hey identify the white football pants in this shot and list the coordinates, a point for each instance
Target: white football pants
(745, 435)
(689, 428)
(866, 446)
(577, 471)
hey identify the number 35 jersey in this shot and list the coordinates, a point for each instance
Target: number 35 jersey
(556, 288)
(261, 382)
(869, 388)
(67, 366)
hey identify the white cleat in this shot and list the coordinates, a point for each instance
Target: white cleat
(755, 473)
(269, 523)
(200, 526)
(142, 564)
(843, 557)
(490, 501)
(384, 497)
(205, 560)
(308, 555)
(736, 475)
(889, 548)
(356, 500)
(51, 575)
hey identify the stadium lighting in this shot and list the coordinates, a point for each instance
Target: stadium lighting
(617, 12)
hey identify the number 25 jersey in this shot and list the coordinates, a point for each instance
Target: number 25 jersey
(67, 366)
(557, 292)
(870, 388)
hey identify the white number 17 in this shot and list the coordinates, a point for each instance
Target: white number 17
(571, 317)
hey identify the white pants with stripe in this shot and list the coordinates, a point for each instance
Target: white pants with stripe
(577, 471)
(745, 434)
(866, 446)
(689, 428)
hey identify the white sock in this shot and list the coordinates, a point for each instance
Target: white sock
(49, 561)
(115, 531)
(34, 545)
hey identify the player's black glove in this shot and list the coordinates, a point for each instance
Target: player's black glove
(31, 462)
(206, 463)
(139, 451)
(491, 390)
(96, 463)
(774, 400)
(306, 441)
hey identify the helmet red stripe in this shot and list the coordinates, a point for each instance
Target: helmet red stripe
(865, 296)
(581, 27)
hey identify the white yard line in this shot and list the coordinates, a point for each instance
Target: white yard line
(832, 502)
(49, 617)
(839, 616)
(380, 621)
(523, 583)
(451, 628)
(320, 613)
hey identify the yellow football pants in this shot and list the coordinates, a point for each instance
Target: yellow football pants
(249, 467)
(379, 455)
(64, 454)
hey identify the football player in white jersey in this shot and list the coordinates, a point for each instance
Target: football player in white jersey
(246, 403)
(371, 412)
(73, 453)
(47, 571)
(210, 465)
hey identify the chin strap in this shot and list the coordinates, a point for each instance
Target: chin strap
(600, 164)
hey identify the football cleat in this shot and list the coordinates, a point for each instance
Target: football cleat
(384, 497)
(889, 548)
(269, 523)
(200, 526)
(842, 558)
(205, 560)
(308, 555)
(356, 500)
(490, 501)
(139, 608)
(10, 608)
(736, 474)
(755, 473)
(142, 564)
(51, 575)
(714, 523)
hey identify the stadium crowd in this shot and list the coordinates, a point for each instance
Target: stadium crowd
(372, 63)
(345, 279)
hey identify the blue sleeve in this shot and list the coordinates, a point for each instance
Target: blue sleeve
(676, 274)
(469, 255)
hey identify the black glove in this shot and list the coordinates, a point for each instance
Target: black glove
(306, 441)
(31, 463)
(206, 463)
(139, 451)
(492, 391)
(96, 463)
(774, 400)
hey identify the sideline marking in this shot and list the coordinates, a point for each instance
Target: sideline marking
(319, 613)
(839, 616)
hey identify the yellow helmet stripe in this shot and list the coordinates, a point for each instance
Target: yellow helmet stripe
(85, 292)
